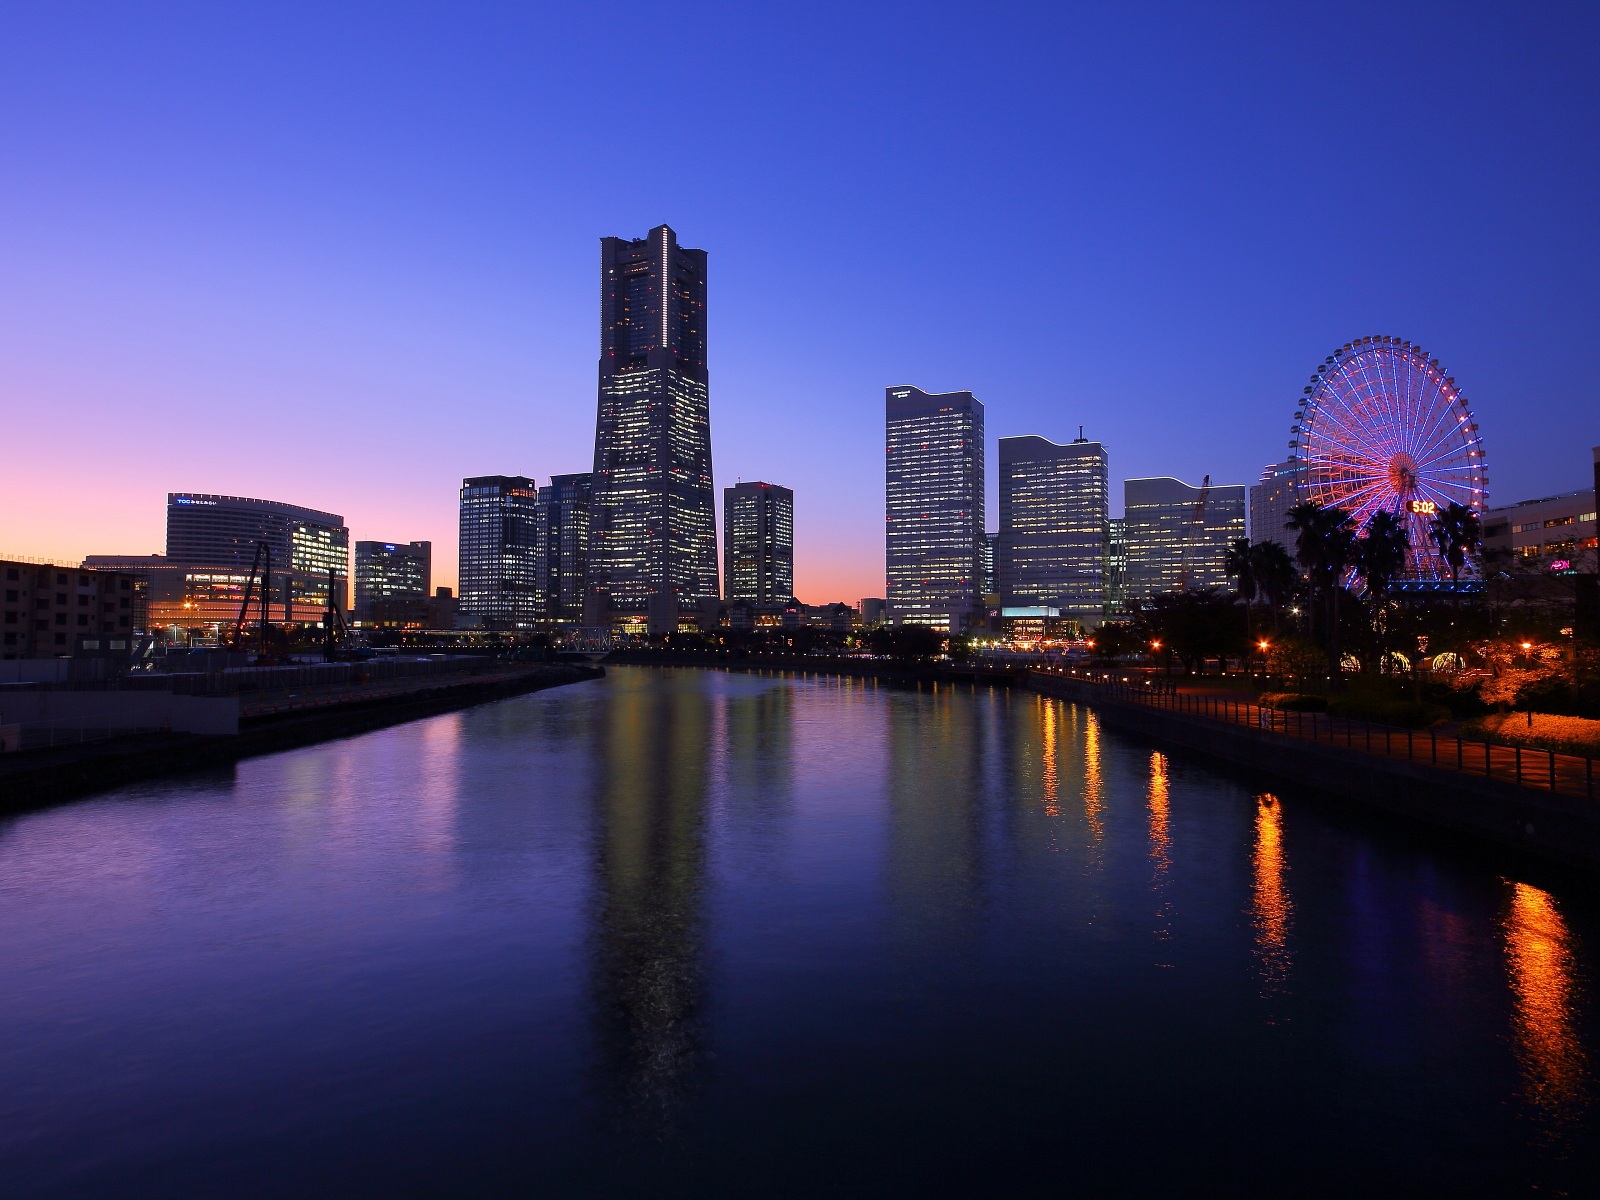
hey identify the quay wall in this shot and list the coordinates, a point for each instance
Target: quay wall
(1528, 819)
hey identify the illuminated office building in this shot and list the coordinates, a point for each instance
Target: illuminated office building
(1177, 536)
(213, 539)
(563, 545)
(933, 493)
(391, 571)
(1054, 508)
(1277, 491)
(652, 530)
(758, 543)
(498, 565)
(987, 579)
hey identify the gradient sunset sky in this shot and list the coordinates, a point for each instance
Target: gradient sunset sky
(343, 255)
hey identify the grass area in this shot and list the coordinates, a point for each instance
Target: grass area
(1564, 735)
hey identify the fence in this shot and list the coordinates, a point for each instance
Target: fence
(1562, 774)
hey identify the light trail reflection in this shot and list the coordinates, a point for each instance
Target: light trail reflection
(1539, 958)
(1271, 908)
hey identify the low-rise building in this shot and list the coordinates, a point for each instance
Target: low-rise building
(1549, 529)
(50, 610)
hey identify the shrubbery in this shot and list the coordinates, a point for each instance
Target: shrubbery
(1293, 702)
(1564, 735)
(1372, 705)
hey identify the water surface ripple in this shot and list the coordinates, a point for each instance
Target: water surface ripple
(691, 933)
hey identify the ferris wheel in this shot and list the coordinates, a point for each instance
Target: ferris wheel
(1383, 427)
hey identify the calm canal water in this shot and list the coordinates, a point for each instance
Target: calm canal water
(687, 933)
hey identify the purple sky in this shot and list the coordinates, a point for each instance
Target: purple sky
(343, 255)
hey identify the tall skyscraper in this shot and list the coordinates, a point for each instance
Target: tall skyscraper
(499, 577)
(391, 571)
(1271, 498)
(988, 581)
(563, 545)
(1054, 508)
(653, 528)
(1177, 536)
(933, 493)
(758, 543)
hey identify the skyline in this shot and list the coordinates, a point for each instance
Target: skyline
(279, 256)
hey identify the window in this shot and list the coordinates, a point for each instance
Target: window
(11, 639)
(83, 602)
(61, 618)
(11, 618)
(11, 595)
(11, 573)
(61, 581)
(61, 639)
(83, 618)
(90, 643)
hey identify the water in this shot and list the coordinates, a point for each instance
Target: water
(686, 933)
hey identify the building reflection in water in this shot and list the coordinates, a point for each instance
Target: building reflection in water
(1094, 802)
(1049, 778)
(1271, 908)
(1160, 796)
(1539, 958)
(649, 867)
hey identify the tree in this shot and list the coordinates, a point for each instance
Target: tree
(1459, 535)
(1194, 625)
(1380, 553)
(1275, 574)
(1240, 565)
(1325, 547)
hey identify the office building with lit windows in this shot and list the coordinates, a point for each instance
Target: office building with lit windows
(652, 523)
(1549, 529)
(213, 540)
(563, 545)
(1054, 509)
(1176, 536)
(1277, 491)
(499, 551)
(758, 543)
(391, 571)
(933, 499)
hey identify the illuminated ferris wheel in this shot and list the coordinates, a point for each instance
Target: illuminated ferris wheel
(1383, 427)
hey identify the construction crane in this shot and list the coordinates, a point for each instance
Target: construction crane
(1194, 532)
(260, 570)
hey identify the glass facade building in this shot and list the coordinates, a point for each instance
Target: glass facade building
(391, 571)
(933, 499)
(1277, 491)
(1176, 536)
(499, 568)
(758, 543)
(563, 545)
(1054, 509)
(217, 535)
(652, 524)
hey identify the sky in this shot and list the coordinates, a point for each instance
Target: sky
(343, 255)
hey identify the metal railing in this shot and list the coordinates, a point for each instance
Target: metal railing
(1546, 770)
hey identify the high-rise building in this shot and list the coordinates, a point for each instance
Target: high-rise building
(653, 525)
(391, 571)
(1271, 498)
(758, 543)
(988, 581)
(1177, 536)
(1054, 505)
(1116, 569)
(499, 575)
(933, 492)
(214, 539)
(563, 545)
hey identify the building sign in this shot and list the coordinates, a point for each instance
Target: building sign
(1426, 507)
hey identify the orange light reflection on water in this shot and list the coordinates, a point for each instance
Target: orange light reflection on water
(1271, 907)
(1050, 778)
(1093, 783)
(1539, 959)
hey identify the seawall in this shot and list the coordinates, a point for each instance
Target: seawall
(39, 777)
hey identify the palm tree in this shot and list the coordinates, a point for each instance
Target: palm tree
(1381, 552)
(1380, 557)
(1241, 567)
(1325, 547)
(1458, 533)
(1275, 575)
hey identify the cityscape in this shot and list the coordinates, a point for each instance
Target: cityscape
(1152, 753)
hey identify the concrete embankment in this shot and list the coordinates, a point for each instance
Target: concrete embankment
(820, 664)
(1552, 825)
(42, 776)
